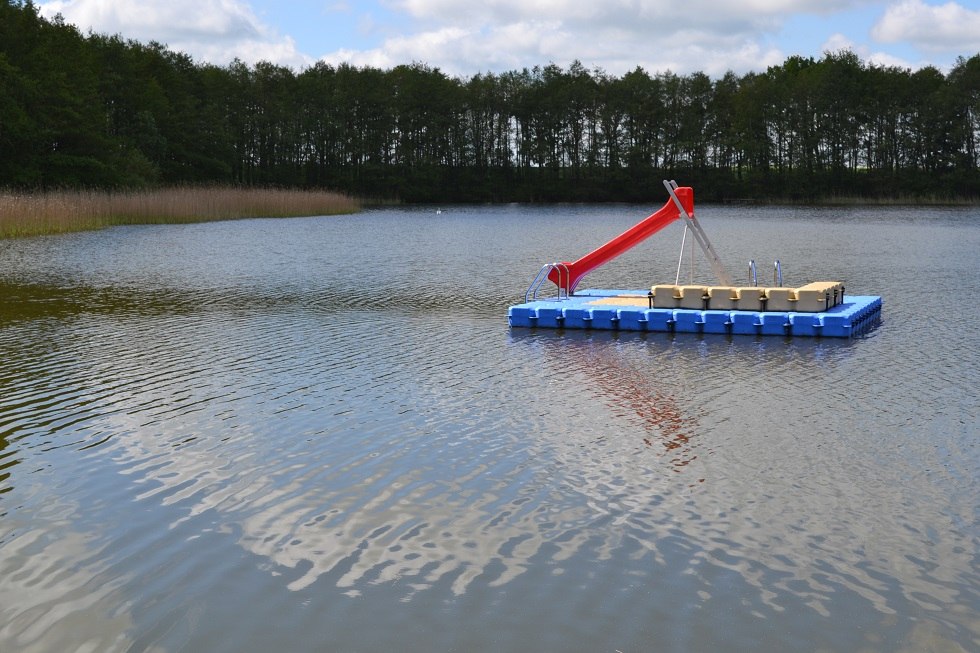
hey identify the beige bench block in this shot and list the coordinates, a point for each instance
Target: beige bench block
(749, 298)
(692, 297)
(819, 295)
(723, 298)
(665, 296)
(811, 300)
(781, 299)
(819, 285)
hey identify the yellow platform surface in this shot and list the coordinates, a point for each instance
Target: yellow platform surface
(622, 300)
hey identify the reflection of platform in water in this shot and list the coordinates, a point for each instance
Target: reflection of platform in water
(626, 386)
(630, 310)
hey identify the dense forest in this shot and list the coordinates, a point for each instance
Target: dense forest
(98, 111)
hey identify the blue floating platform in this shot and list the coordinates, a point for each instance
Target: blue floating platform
(628, 310)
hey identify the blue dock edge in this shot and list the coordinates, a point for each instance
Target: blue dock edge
(628, 310)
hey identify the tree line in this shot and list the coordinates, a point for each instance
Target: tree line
(100, 111)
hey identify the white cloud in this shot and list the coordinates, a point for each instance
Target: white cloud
(615, 49)
(462, 37)
(664, 14)
(838, 42)
(209, 30)
(949, 27)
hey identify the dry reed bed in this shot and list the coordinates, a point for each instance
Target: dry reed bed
(65, 211)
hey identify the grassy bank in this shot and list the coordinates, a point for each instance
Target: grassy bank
(65, 211)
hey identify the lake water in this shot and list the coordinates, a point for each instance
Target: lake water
(321, 435)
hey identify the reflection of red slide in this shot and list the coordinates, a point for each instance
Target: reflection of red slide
(623, 242)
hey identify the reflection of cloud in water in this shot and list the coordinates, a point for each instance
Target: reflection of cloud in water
(436, 493)
(342, 472)
(785, 526)
(55, 593)
(366, 521)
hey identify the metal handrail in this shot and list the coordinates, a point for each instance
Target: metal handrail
(563, 275)
(777, 274)
(752, 273)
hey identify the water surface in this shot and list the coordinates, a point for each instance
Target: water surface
(320, 434)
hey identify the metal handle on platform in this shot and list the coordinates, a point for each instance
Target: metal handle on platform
(563, 276)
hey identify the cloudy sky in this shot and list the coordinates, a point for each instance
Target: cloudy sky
(465, 37)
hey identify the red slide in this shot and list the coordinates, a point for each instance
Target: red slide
(623, 242)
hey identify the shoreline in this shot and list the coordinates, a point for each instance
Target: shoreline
(67, 211)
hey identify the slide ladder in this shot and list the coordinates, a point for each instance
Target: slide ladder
(567, 275)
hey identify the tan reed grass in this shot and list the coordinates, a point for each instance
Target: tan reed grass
(81, 210)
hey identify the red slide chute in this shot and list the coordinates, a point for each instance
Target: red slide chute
(621, 243)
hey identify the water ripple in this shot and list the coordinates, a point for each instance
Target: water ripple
(276, 439)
